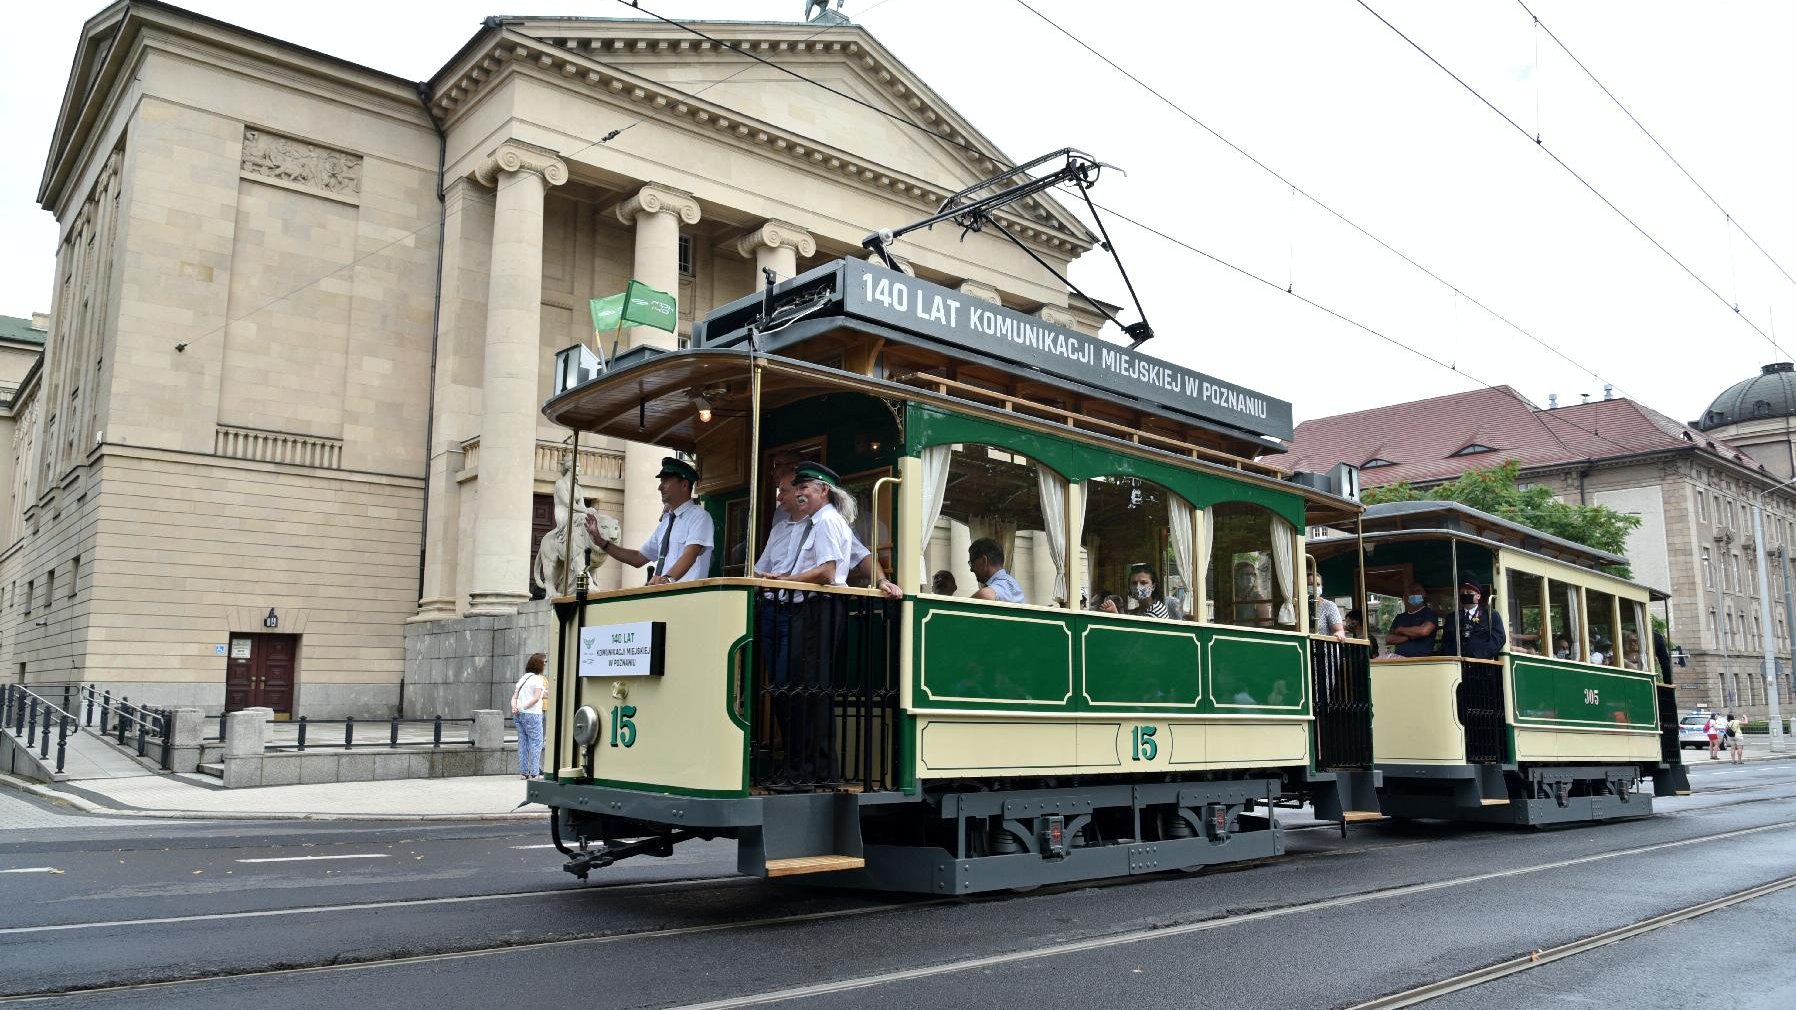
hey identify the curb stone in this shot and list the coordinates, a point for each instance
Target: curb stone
(88, 806)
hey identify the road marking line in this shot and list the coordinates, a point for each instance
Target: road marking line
(729, 881)
(1205, 925)
(33, 869)
(304, 859)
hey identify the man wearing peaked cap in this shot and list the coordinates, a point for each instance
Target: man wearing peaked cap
(680, 547)
(1474, 630)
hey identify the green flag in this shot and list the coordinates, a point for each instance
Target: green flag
(644, 306)
(607, 313)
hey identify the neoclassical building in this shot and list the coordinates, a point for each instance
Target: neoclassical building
(286, 447)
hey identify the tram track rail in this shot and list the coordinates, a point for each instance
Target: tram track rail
(1226, 919)
(1539, 958)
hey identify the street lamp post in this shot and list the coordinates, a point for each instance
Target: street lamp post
(1770, 667)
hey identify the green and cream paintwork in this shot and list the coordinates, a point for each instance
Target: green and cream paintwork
(1564, 710)
(1558, 710)
(689, 737)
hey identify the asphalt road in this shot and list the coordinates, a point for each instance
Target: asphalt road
(174, 914)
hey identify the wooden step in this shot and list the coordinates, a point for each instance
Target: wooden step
(214, 770)
(1355, 816)
(812, 864)
(1494, 803)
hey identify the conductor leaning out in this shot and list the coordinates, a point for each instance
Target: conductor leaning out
(680, 547)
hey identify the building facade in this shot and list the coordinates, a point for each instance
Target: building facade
(288, 449)
(1693, 492)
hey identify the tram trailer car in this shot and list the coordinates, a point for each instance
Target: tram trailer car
(940, 744)
(1564, 725)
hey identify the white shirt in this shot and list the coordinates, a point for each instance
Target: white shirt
(691, 525)
(829, 539)
(527, 683)
(780, 543)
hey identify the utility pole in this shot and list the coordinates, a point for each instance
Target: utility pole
(1721, 635)
(1770, 661)
(1790, 611)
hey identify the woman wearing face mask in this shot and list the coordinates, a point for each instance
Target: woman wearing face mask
(1325, 616)
(1147, 598)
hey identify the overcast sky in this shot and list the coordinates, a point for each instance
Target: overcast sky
(1334, 101)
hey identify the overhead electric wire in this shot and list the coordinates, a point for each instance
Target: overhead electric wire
(1735, 221)
(1181, 243)
(1587, 184)
(1307, 195)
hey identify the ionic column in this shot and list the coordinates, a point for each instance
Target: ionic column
(657, 213)
(520, 174)
(776, 245)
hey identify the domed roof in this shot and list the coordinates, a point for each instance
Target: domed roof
(1771, 393)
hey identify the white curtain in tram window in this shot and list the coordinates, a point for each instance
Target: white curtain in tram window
(935, 489)
(1053, 518)
(1284, 550)
(1571, 622)
(1178, 523)
(1205, 535)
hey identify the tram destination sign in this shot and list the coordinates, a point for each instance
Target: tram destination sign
(637, 649)
(882, 295)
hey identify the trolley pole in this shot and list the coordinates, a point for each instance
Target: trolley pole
(1770, 660)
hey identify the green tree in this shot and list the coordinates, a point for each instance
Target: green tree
(1499, 491)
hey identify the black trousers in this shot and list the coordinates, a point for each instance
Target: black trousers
(799, 649)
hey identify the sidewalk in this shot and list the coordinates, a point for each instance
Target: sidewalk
(487, 797)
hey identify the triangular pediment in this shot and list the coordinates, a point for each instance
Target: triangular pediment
(98, 39)
(869, 104)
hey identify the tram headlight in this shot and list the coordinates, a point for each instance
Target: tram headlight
(586, 726)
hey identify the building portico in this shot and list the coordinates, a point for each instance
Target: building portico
(433, 245)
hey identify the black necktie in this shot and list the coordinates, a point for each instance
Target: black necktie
(661, 565)
(792, 560)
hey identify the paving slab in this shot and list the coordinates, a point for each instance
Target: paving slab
(198, 796)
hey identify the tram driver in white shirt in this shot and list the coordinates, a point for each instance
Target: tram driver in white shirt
(680, 547)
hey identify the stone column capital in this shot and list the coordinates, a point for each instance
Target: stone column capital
(518, 156)
(777, 235)
(656, 199)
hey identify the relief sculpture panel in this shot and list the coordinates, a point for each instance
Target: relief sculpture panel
(273, 156)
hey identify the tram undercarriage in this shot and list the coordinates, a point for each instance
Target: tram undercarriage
(954, 840)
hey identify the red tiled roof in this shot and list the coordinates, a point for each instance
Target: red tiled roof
(1420, 438)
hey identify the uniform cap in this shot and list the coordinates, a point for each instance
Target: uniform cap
(673, 466)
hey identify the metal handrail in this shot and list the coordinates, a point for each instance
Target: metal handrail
(21, 709)
(305, 723)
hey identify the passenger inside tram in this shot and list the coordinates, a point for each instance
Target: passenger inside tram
(985, 559)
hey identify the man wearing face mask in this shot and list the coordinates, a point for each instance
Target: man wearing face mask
(1478, 630)
(1412, 632)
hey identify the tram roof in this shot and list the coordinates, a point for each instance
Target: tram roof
(1405, 520)
(647, 396)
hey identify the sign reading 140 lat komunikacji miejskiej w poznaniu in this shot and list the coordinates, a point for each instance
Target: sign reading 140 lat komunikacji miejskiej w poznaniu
(637, 649)
(881, 295)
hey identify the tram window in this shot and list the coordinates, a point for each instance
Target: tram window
(1524, 613)
(1604, 639)
(1562, 611)
(1249, 580)
(1633, 642)
(991, 493)
(1128, 531)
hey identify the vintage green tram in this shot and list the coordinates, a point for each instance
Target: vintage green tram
(971, 745)
(1563, 724)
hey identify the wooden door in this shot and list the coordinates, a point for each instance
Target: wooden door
(542, 520)
(240, 674)
(277, 657)
(260, 673)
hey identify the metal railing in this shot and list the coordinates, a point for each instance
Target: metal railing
(31, 716)
(826, 690)
(305, 724)
(1481, 711)
(1341, 684)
